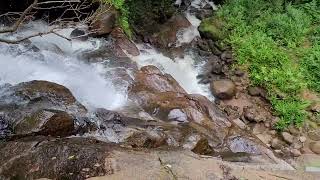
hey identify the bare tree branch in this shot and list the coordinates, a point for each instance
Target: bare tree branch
(21, 19)
(76, 6)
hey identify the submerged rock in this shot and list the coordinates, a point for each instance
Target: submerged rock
(79, 34)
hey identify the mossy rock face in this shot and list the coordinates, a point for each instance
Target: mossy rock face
(212, 28)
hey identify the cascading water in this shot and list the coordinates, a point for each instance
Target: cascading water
(86, 81)
(184, 70)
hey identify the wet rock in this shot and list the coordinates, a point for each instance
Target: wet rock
(123, 44)
(79, 34)
(287, 137)
(34, 106)
(223, 89)
(148, 78)
(211, 28)
(199, 114)
(5, 129)
(252, 114)
(315, 147)
(214, 65)
(37, 89)
(47, 122)
(60, 124)
(167, 36)
(203, 148)
(104, 20)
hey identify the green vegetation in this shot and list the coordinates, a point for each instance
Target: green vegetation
(124, 17)
(145, 16)
(212, 28)
(278, 43)
(142, 15)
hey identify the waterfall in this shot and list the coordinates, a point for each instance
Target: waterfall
(86, 81)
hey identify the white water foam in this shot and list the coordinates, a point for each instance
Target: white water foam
(183, 70)
(86, 81)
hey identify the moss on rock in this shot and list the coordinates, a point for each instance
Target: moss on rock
(212, 28)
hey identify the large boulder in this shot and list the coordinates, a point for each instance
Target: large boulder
(123, 44)
(162, 97)
(104, 20)
(39, 107)
(167, 36)
(223, 89)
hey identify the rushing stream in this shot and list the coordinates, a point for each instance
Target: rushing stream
(56, 60)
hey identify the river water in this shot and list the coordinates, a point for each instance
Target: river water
(56, 59)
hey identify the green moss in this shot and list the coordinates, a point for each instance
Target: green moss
(212, 28)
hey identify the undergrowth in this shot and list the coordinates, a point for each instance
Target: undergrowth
(278, 42)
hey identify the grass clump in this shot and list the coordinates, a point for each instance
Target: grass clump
(269, 38)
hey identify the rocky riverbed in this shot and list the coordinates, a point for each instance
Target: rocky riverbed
(166, 105)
